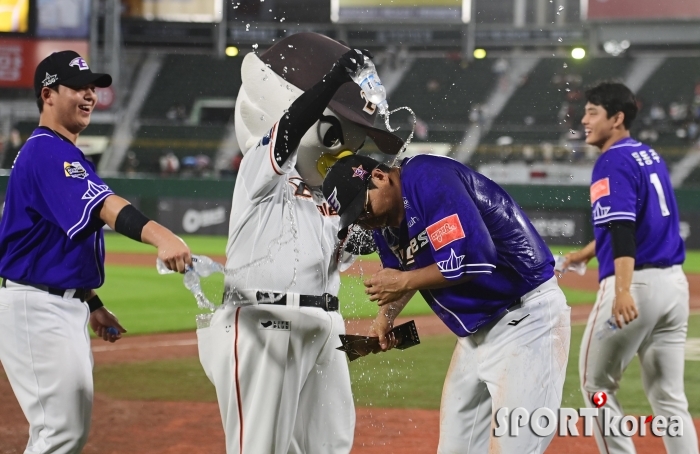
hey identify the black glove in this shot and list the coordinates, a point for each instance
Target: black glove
(348, 64)
(360, 242)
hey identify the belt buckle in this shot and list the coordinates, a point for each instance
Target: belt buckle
(326, 301)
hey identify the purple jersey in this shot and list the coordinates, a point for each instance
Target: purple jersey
(630, 182)
(49, 234)
(466, 224)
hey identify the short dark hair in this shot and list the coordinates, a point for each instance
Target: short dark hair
(40, 101)
(614, 97)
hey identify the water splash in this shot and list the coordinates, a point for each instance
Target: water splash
(390, 129)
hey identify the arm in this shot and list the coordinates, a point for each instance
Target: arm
(101, 319)
(130, 222)
(624, 251)
(390, 285)
(582, 255)
(308, 108)
(385, 321)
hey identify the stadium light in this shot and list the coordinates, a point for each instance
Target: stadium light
(231, 51)
(479, 53)
(578, 53)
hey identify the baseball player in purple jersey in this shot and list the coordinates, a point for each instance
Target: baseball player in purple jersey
(52, 259)
(460, 239)
(642, 302)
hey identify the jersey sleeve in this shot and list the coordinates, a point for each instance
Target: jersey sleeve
(388, 258)
(260, 169)
(69, 190)
(614, 190)
(460, 241)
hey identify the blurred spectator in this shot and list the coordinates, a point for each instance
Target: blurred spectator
(432, 86)
(132, 163)
(202, 165)
(176, 113)
(656, 113)
(648, 135)
(529, 120)
(678, 111)
(529, 154)
(500, 66)
(169, 164)
(547, 151)
(12, 146)
(421, 129)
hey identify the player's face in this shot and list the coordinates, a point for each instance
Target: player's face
(382, 207)
(597, 126)
(73, 107)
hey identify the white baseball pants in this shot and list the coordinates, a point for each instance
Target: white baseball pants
(281, 385)
(45, 351)
(507, 365)
(658, 337)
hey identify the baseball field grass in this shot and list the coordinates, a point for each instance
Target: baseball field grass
(397, 379)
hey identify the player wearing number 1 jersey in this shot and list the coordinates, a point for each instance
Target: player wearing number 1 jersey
(642, 302)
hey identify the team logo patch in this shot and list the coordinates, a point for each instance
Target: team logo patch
(74, 170)
(80, 63)
(445, 231)
(600, 211)
(94, 190)
(49, 79)
(278, 325)
(454, 263)
(600, 188)
(359, 172)
(333, 200)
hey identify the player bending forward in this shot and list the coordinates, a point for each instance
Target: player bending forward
(460, 239)
(270, 350)
(643, 290)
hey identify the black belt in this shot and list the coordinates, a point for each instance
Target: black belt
(80, 293)
(651, 265)
(327, 302)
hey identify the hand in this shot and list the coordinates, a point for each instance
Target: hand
(386, 286)
(574, 257)
(351, 61)
(101, 320)
(624, 309)
(380, 328)
(175, 253)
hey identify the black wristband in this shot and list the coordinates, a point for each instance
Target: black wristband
(94, 303)
(130, 222)
(624, 243)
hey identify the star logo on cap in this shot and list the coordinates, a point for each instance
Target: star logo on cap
(50, 79)
(359, 172)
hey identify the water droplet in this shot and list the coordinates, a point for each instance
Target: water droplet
(561, 8)
(565, 66)
(560, 40)
(282, 57)
(264, 77)
(247, 27)
(571, 131)
(568, 197)
(568, 89)
(571, 177)
(282, 20)
(290, 46)
(255, 46)
(262, 117)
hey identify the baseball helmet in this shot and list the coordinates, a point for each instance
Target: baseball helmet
(273, 80)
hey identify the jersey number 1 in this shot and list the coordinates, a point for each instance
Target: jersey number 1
(654, 178)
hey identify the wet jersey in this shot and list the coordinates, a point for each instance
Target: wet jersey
(467, 225)
(277, 223)
(50, 233)
(630, 182)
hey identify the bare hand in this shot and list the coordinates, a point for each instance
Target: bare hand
(574, 257)
(175, 253)
(100, 322)
(386, 286)
(624, 309)
(380, 328)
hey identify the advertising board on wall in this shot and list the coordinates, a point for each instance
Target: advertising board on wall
(19, 58)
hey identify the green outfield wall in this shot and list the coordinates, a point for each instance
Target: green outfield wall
(202, 206)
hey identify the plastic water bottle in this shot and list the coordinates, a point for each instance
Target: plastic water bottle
(203, 265)
(577, 267)
(368, 80)
(608, 329)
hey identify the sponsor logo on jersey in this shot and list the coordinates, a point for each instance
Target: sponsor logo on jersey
(359, 172)
(279, 325)
(412, 221)
(94, 190)
(600, 211)
(415, 245)
(517, 322)
(406, 205)
(74, 170)
(333, 200)
(49, 79)
(600, 188)
(445, 231)
(454, 263)
(80, 63)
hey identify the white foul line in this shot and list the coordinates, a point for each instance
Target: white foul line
(111, 348)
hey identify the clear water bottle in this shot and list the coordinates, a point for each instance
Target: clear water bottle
(192, 283)
(203, 265)
(368, 80)
(577, 267)
(608, 329)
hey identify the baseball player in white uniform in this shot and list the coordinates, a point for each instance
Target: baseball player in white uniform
(642, 303)
(270, 349)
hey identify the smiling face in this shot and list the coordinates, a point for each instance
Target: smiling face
(69, 107)
(602, 131)
(383, 201)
